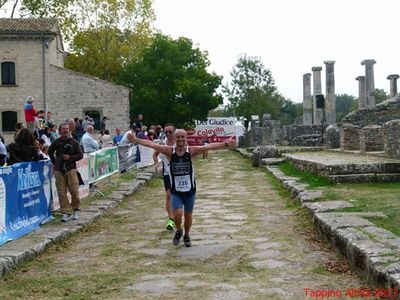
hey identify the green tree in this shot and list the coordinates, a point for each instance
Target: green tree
(288, 111)
(344, 104)
(380, 95)
(171, 84)
(104, 34)
(252, 90)
(104, 52)
(80, 15)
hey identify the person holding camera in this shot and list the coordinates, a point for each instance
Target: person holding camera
(68, 152)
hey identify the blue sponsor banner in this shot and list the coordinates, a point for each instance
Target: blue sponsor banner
(25, 198)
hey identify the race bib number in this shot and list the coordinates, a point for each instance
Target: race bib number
(182, 183)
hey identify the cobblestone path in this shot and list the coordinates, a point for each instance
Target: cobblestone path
(247, 244)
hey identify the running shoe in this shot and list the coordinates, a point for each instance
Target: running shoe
(177, 237)
(75, 215)
(170, 224)
(65, 217)
(186, 240)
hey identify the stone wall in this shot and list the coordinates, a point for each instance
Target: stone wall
(349, 137)
(68, 93)
(27, 56)
(72, 93)
(273, 133)
(302, 135)
(377, 115)
(372, 138)
(364, 129)
(56, 52)
(392, 139)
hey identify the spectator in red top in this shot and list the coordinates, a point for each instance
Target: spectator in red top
(30, 113)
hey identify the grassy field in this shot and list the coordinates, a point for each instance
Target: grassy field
(365, 197)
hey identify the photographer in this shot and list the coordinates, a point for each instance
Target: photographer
(68, 153)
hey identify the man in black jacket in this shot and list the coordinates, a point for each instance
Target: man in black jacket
(67, 152)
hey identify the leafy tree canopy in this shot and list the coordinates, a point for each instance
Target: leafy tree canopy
(380, 95)
(104, 52)
(252, 91)
(103, 34)
(79, 15)
(171, 84)
(289, 111)
(344, 104)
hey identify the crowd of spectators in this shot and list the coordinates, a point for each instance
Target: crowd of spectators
(33, 139)
(40, 138)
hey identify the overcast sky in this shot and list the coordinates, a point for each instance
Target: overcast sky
(291, 36)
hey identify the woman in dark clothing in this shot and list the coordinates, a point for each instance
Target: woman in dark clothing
(23, 149)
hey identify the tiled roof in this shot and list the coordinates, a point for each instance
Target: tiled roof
(28, 25)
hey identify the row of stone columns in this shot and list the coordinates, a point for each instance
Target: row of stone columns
(366, 85)
(312, 114)
(366, 92)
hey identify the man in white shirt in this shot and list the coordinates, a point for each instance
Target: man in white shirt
(88, 142)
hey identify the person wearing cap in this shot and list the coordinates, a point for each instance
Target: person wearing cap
(30, 113)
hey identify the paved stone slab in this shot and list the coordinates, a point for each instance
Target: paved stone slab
(154, 287)
(205, 251)
(272, 264)
(157, 251)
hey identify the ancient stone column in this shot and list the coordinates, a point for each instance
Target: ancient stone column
(369, 82)
(307, 102)
(317, 112)
(393, 84)
(330, 98)
(361, 92)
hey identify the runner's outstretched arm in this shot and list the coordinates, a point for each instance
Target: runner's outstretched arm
(231, 143)
(167, 150)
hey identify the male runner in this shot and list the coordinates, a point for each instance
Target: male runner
(183, 185)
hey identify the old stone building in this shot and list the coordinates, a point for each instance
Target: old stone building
(32, 64)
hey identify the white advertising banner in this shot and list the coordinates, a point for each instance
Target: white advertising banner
(214, 129)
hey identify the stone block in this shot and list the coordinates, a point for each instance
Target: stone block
(271, 161)
(325, 206)
(6, 264)
(392, 138)
(349, 137)
(308, 196)
(142, 176)
(296, 188)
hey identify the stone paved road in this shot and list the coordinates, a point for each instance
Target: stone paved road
(246, 245)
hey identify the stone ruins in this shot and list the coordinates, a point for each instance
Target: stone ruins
(371, 128)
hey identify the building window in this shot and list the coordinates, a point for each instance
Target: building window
(7, 73)
(8, 120)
